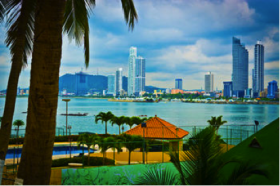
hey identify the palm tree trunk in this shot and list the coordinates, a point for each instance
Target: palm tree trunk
(106, 127)
(119, 129)
(129, 155)
(36, 159)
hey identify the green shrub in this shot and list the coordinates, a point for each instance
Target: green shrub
(94, 161)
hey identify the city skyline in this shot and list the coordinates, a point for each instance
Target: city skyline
(173, 47)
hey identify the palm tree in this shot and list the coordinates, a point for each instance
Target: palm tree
(107, 143)
(129, 122)
(88, 140)
(118, 121)
(216, 122)
(104, 117)
(20, 24)
(202, 164)
(43, 97)
(132, 142)
(18, 123)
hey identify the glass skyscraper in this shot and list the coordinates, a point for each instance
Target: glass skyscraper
(118, 81)
(131, 70)
(258, 72)
(209, 82)
(272, 89)
(111, 85)
(139, 75)
(240, 65)
(179, 84)
(227, 89)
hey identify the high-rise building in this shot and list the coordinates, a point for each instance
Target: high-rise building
(124, 83)
(179, 84)
(111, 85)
(227, 89)
(139, 75)
(240, 66)
(209, 82)
(272, 89)
(118, 81)
(136, 73)
(131, 70)
(258, 73)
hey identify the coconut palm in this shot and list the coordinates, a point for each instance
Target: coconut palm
(88, 140)
(18, 123)
(129, 122)
(216, 122)
(118, 121)
(132, 142)
(203, 163)
(20, 24)
(43, 95)
(107, 143)
(104, 117)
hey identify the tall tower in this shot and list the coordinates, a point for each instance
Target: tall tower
(179, 84)
(131, 70)
(258, 72)
(118, 81)
(209, 82)
(111, 84)
(140, 78)
(240, 65)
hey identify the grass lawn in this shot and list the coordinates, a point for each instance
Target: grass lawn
(268, 155)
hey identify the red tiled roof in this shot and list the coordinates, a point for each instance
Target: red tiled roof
(158, 128)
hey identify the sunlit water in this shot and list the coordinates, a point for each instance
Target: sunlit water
(179, 114)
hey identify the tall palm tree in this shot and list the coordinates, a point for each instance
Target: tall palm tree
(104, 117)
(118, 121)
(18, 123)
(88, 140)
(46, 56)
(107, 143)
(216, 122)
(20, 24)
(129, 122)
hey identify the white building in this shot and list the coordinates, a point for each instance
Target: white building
(131, 70)
(209, 82)
(111, 85)
(118, 81)
(139, 75)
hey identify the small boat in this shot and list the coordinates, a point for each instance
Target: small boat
(75, 114)
(24, 112)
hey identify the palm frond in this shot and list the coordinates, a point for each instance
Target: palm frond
(20, 24)
(130, 13)
(76, 23)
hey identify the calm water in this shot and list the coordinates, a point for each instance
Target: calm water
(180, 114)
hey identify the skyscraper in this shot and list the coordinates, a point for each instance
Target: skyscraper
(131, 70)
(139, 75)
(240, 66)
(227, 89)
(179, 84)
(118, 81)
(209, 82)
(124, 83)
(136, 73)
(258, 72)
(111, 84)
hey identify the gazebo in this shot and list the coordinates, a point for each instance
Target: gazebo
(157, 128)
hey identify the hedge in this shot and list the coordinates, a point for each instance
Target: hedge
(94, 161)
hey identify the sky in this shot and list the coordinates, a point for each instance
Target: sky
(178, 39)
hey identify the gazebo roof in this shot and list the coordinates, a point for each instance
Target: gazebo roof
(158, 128)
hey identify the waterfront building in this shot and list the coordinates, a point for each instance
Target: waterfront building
(177, 91)
(227, 92)
(124, 83)
(240, 65)
(272, 89)
(248, 93)
(179, 84)
(139, 75)
(131, 70)
(258, 71)
(111, 85)
(168, 91)
(209, 82)
(118, 81)
(81, 83)
(136, 73)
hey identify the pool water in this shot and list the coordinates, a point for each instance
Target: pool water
(61, 150)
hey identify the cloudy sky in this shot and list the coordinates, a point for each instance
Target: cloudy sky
(179, 39)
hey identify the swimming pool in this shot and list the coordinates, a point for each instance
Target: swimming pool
(57, 150)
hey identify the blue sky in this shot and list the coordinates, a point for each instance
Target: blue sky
(179, 39)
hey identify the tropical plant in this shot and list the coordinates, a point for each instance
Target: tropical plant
(129, 122)
(88, 140)
(104, 117)
(216, 122)
(107, 143)
(19, 39)
(132, 142)
(118, 121)
(46, 56)
(18, 123)
(202, 164)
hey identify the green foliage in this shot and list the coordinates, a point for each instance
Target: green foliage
(216, 122)
(104, 117)
(18, 123)
(119, 121)
(94, 161)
